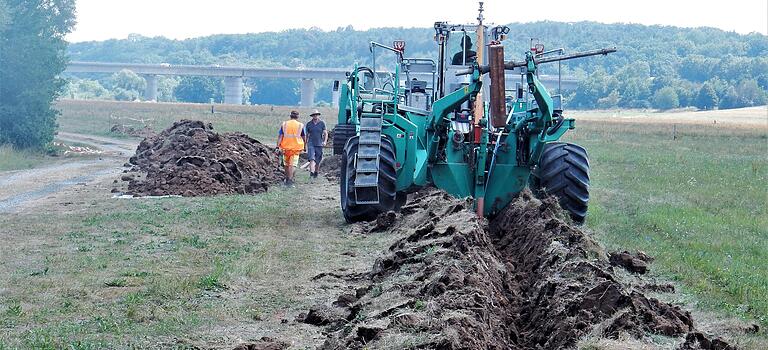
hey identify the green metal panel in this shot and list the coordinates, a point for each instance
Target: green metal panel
(454, 178)
(405, 148)
(345, 104)
(408, 138)
(506, 182)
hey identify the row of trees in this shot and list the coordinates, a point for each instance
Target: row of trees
(633, 87)
(129, 86)
(32, 56)
(656, 66)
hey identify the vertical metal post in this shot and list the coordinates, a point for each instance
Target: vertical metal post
(336, 93)
(373, 53)
(481, 123)
(478, 108)
(560, 78)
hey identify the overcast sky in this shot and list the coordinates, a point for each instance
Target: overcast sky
(180, 19)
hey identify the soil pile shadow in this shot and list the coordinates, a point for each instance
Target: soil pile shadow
(189, 159)
(526, 280)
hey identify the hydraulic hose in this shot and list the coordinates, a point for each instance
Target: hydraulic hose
(553, 129)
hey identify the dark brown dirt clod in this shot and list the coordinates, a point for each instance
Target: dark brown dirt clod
(753, 328)
(265, 343)
(345, 300)
(321, 315)
(189, 159)
(366, 334)
(384, 221)
(632, 263)
(699, 341)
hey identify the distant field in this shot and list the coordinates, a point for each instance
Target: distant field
(743, 117)
(98, 117)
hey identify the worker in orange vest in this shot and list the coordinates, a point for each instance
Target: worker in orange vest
(291, 140)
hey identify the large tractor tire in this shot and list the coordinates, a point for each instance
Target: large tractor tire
(342, 133)
(354, 212)
(563, 172)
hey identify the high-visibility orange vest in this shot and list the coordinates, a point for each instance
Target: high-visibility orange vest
(292, 140)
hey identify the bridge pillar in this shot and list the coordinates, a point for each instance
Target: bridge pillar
(307, 92)
(336, 93)
(150, 93)
(233, 90)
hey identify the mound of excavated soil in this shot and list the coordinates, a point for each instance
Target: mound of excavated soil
(189, 159)
(526, 280)
(330, 166)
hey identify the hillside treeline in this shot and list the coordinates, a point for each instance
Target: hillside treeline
(656, 66)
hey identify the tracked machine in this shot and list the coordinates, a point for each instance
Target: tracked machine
(452, 123)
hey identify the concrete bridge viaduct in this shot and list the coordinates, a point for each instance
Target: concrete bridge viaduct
(235, 75)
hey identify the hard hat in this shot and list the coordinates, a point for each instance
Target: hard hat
(314, 112)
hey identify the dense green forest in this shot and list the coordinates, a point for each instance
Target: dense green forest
(656, 66)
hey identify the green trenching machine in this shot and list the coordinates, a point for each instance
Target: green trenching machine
(452, 123)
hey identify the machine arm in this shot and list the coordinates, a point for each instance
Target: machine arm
(514, 64)
(445, 105)
(438, 121)
(540, 94)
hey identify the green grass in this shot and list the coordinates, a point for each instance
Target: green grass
(698, 204)
(20, 159)
(13, 159)
(136, 273)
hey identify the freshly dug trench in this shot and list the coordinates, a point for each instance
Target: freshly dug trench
(189, 159)
(526, 280)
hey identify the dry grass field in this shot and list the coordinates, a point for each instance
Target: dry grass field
(747, 118)
(98, 117)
